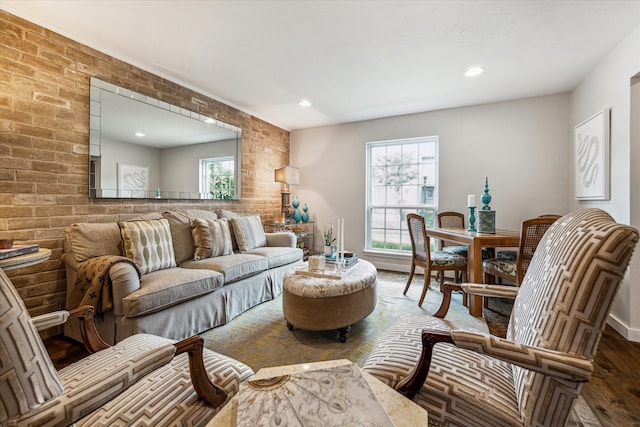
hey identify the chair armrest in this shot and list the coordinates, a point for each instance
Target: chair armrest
(499, 291)
(49, 320)
(566, 366)
(281, 239)
(208, 391)
(472, 289)
(92, 340)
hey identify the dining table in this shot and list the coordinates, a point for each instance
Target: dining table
(475, 241)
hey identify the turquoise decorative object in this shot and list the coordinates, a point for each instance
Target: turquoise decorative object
(297, 215)
(158, 196)
(486, 197)
(472, 219)
(305, 215)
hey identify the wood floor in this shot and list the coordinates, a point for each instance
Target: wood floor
(613, 394)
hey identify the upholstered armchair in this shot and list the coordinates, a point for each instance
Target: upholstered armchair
(534, 375)
(142, 380)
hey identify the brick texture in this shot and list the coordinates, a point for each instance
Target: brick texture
(44, 117)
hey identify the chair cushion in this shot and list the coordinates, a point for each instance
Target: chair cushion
(28, 379)
(447, 259)
(211, 237)
(165, 288)
(498, 266)
(233, 267)
(278, 255)
(507, 255)
(464, 251)
(456, 378)
(249, 232)
(148, 243)
(167, 397)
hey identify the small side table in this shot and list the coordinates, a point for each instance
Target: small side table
(26, 260)
(402, 411)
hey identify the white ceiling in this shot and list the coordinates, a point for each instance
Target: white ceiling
(354, 60)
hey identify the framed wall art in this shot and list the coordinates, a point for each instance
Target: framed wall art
(591, 158)
(133, 180)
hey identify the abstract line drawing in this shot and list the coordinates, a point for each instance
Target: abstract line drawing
(133, 180)
(591, 158)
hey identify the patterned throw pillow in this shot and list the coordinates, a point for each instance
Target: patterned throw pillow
(249, 232)
(148, 243)
(211, 238)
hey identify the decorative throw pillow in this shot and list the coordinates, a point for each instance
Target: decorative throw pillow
(249, 232)
(211, 238)
(148, 244)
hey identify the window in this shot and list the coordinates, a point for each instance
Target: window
(401, 178)
(217, 178)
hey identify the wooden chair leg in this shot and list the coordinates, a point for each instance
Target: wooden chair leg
(413, 270)
(425, 286)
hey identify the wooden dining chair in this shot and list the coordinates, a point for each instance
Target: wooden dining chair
(428, 260)
(513, 270)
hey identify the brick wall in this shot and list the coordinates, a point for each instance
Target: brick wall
(44, 118)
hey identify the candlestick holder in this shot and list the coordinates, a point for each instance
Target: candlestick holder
(472, 219)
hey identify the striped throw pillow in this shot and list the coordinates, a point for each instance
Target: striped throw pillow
(211, 238)
(249, 232)
(148, 243)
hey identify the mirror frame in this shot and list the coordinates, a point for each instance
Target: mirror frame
(95, 143)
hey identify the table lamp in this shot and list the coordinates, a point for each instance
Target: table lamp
(288, 175)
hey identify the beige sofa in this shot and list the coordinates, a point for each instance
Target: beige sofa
(192, 281)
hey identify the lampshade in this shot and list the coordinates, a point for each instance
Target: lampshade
(288, 175)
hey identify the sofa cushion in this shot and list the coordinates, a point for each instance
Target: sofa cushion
(211, 238)
(165, 288)
(277, 256)
(148, 243)
(180, 224)
(92, 240)
(249, 232)
(233, 267)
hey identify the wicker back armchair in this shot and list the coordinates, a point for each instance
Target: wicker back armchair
(428, 260)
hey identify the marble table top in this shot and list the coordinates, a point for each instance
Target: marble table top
(402, 411)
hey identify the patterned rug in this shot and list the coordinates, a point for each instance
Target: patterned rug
(260, 338)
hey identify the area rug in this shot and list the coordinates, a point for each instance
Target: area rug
(260, 338)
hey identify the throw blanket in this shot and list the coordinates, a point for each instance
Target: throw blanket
(93, 283)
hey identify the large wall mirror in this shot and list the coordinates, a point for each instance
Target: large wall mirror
(144, 148)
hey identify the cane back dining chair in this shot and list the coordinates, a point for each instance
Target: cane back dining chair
(144, 380)
(534, 375)
(430, 261)
(514, 270)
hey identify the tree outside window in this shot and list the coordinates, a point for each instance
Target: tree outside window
(401, 179)
(217, 178)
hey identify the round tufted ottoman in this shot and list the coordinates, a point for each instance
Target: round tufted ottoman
(323, 304)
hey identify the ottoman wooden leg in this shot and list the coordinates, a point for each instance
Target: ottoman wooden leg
(344, 333)
(290, 326)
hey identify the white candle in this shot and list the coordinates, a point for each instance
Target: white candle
(471, 200)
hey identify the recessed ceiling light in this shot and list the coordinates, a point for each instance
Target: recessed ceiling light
(139, 134)
(474, 71)
(304, 103)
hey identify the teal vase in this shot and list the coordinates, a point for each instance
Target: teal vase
(297, 215)
(305, 215)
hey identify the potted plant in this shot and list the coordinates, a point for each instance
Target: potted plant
(329, 240)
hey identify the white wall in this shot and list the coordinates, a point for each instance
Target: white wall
(609, 86)
(522, 146)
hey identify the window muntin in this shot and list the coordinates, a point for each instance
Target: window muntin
(401, 178)
(217, 180)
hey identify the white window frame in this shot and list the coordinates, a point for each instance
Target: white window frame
(205, 178)
(429, 209)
